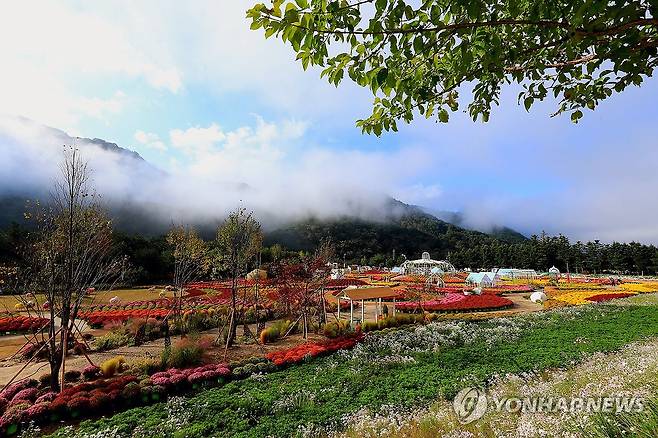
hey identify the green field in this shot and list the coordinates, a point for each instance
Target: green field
(392, 368)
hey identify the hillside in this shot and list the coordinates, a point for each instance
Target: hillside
(143, 199)
(374, 242)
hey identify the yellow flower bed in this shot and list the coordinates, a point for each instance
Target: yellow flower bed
(580, 297)
(639, 287)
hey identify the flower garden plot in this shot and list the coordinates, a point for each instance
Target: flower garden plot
(608, 297)
(639, 287)
(159, 308)
(580, 297)
(458, 303)
(400, 368)
(21, 324)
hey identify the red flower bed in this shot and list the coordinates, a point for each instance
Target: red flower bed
(608, 297)
(312, 349)
(21, 323)
(459, 303)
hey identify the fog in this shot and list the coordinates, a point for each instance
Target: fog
(251, 171)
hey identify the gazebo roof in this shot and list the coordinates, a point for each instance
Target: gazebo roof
(369, 293)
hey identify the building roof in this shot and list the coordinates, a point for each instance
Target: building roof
(479, 277)
(369, 293)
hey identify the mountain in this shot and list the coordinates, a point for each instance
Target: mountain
(405, 231)
(501, 232)
(144, 199)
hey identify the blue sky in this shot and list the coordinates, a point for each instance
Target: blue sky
(194, 91)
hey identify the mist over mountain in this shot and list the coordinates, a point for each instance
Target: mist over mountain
(144, 199)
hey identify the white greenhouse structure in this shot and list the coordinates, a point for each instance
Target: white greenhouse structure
(482, 279)
(513, 273)
(426, 266)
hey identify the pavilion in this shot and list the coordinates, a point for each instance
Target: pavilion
(425, 266)
(363, 294)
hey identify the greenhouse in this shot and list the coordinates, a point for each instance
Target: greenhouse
(426, 266)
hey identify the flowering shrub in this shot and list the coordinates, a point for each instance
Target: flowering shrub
(28, 394)
(10, 391)
(21, 323)
(91, 372)
(312, 349)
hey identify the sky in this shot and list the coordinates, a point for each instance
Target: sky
(195, 92)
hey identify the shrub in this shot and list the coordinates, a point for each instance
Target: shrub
(91, 372)
(37, 411)
(28, 394)
(72, 375)
(336, 328)
(44, 379)
(186, 352)
(78, 406)
(112, 366)
(118, 337)
(10, 391)
(274, 332)
(47, 397)
(145, 366)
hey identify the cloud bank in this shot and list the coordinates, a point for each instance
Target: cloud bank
(267, 167)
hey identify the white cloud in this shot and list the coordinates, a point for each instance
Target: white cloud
(196, 140)
(419, 193)
(150, 140)
(50, 51)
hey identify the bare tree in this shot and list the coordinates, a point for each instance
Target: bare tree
(239, 240)
(190, 261)
(71, 255)
(302, 285)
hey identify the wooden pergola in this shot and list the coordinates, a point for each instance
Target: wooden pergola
(364, 294)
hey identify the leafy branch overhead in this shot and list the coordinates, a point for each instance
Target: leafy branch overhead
(417, 56)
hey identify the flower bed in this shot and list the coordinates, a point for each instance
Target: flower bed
(583, 297)
(21, 323)
(23, 402)
(312, 349)
(608, 297)
(458, 303)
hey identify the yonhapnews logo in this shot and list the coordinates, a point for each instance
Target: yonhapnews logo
(470, 404)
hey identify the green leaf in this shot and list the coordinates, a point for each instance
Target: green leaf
(382, 75)
(443, 116)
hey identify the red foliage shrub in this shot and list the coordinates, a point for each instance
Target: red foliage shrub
(608, 297)
(78, 406)
(38, 412)
(21, 323)
(28, 394)
(47, 397)
(312, 349)
(91, 372)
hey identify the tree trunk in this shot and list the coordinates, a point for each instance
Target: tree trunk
(234, 321)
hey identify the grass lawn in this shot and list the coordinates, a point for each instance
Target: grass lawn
(322, 391)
